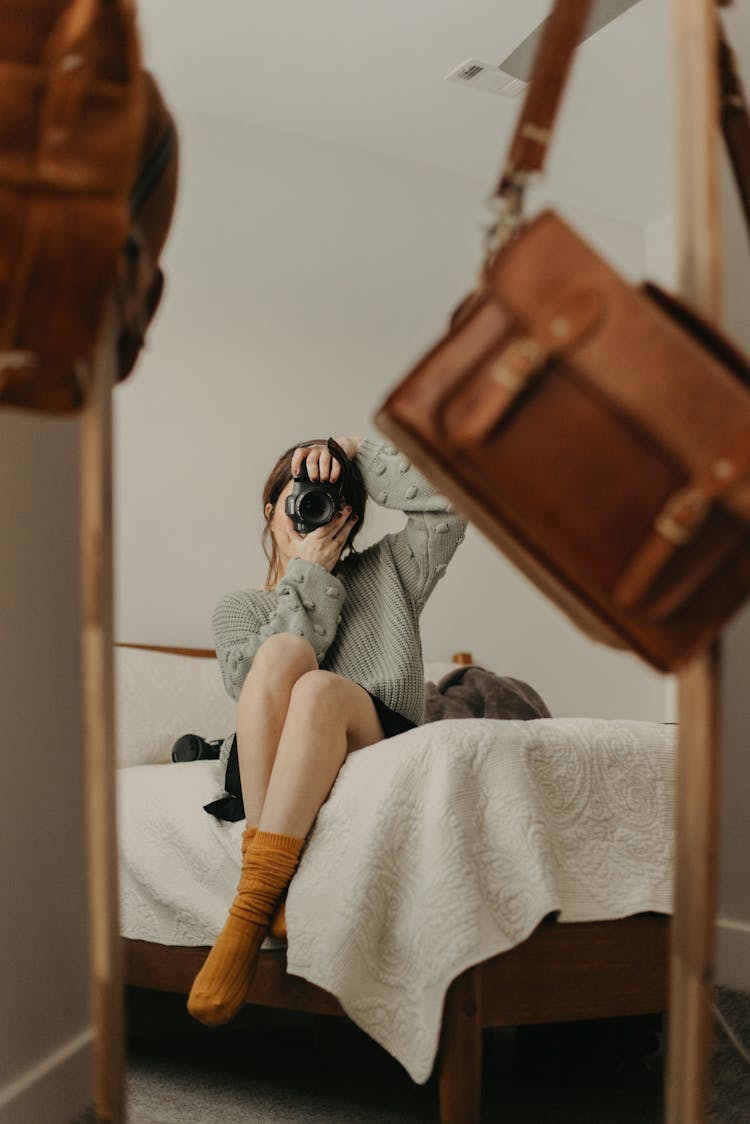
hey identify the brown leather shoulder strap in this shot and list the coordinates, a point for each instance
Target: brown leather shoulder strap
(528, 148)
(735, 121)
(564, 30)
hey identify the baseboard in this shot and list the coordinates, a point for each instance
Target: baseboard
(55, 1090)
(733, 954)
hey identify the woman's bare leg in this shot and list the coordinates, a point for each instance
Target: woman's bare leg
(262, 709)
(327, 718)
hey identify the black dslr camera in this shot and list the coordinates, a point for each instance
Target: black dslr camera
(313, 503)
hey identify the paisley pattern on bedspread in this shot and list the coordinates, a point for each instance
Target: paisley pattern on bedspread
(435, 850)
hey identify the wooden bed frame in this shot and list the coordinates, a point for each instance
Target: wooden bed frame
(585, 970)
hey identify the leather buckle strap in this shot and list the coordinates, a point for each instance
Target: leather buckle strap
(679, 521)
(519, 363)
(76, 87)
(682, 515)
(492, 391)
(492, 388)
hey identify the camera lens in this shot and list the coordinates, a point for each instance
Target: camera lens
(316, 508)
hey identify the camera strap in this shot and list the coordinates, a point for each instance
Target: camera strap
(336, 451)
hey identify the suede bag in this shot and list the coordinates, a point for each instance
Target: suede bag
(88, 175)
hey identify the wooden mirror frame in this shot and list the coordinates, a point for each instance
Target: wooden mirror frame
(695, 877)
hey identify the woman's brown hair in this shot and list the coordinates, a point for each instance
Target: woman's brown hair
(279, 477)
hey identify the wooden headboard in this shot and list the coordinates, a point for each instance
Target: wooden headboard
(200, 653)
(461, 658)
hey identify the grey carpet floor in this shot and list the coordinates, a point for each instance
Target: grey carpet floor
(275, 1068)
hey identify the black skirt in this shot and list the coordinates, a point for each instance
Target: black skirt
(231, 806)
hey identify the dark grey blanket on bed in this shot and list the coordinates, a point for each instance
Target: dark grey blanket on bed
(474, 692)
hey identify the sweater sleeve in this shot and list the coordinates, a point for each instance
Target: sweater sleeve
(425, 546)
(308, 604)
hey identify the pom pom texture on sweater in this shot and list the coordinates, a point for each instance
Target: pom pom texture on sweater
(363, 621)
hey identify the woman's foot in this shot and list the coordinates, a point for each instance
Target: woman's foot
(221, 986)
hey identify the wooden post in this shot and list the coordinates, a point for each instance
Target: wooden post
(460, 1054)
(98, 678)
(692, 965)
(693, 942)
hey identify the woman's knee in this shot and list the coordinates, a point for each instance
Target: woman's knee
(283, 657)
(317, 689)
(337, 703)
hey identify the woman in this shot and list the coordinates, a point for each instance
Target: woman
(324, 661)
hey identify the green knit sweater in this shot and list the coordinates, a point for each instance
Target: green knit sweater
(362, 621)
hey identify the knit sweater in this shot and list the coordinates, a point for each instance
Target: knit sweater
(363, 620)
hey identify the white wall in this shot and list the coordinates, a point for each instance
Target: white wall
(660, 245)
(45, 1023)
(303, 279)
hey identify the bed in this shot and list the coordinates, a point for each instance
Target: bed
(537, 888)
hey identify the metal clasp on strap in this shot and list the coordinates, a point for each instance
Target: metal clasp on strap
(507, 206)
(521, 361)
(682, 515)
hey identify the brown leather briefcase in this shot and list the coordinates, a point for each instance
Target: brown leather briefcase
(598, 433)
(88, 165)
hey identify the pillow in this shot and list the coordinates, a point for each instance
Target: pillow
(159, 696)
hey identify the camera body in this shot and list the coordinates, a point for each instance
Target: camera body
(192, 747)
(312, 503)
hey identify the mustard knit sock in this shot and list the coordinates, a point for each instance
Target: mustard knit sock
(278, 920)
(220, 988)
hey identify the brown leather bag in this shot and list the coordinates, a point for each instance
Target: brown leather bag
(88, 167)
(599, 434)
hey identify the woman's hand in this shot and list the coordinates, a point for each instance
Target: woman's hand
(324, 544)
(319, 462)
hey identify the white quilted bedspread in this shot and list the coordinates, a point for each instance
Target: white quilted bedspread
(435, 850)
